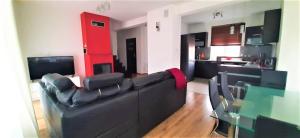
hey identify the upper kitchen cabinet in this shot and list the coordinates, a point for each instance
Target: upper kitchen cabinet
(254, 36)
(271, 26)
(227, 35)
(201, 39)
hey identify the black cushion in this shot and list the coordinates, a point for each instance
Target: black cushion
(103, 80)
(144, 81)
(167, 75)
(126, 85)
(83, 96)
(58, 82)
(65, 97)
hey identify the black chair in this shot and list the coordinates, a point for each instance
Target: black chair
(214, 96)
(273, 79)
(221, 127)
(270, 128)
(224, 87)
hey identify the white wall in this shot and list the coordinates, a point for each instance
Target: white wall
(184, 28)
(17, 117)
(289, 45)
(163, 45)
(113, 35)
(48, 28)
(140, 33)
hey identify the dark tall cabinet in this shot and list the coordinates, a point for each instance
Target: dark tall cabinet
(271, 26)
(187, 55)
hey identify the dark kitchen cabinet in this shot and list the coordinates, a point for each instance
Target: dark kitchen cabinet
(200, 39)
(187, 55)
(254, 35)
(271, 26)
(206, 69)
(201, 45)
(224, 35)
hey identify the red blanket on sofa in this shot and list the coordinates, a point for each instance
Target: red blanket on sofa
(179, 78)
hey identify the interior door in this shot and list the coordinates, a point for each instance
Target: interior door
(131, 55)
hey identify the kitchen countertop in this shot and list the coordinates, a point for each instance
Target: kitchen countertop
(229, 61)
(243, 66)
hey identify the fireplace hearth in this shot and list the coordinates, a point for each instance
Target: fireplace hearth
(102, 68)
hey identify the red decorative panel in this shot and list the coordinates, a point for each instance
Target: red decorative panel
(96, 41)
(220, 35)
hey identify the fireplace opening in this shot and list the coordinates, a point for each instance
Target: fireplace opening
(102, 68)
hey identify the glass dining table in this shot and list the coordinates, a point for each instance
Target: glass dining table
(273, 103)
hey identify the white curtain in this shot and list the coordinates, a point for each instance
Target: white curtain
(17, 118)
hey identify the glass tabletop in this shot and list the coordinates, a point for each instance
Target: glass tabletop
(273, 103)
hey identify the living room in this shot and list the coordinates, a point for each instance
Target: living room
(143, 41)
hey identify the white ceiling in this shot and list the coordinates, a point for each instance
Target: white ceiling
(121, 10)
(232, 11)
(124, 10)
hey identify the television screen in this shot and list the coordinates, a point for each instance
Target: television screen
(39, 66)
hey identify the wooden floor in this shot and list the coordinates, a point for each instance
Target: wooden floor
(192, 120)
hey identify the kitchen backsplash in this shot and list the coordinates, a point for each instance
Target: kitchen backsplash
(233, 51)
(256, 51)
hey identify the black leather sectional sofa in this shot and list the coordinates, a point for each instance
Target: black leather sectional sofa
(108, 105)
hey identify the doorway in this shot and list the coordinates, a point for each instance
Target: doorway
(131, 55)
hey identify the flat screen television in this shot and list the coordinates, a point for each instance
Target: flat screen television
(39, 66)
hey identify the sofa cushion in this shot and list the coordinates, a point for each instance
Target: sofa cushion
(144, 81)
(167, 75)
(65, 97)
(83, 96)
(102, 80)
(56, 81)
(126, 85)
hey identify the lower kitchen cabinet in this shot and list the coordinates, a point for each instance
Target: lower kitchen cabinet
(206, 69)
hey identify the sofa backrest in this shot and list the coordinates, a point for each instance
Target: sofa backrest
(157, 102)
(144, 81)
(91, 120)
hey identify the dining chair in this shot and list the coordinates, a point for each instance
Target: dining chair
(214, 96)
(273, 79)
(221, 127)
(270, 128)
(224, 87)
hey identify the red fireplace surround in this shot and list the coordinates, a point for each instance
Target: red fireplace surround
(96, 41)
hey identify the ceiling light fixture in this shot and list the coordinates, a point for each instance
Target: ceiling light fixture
(217, 14)
(103, 6)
